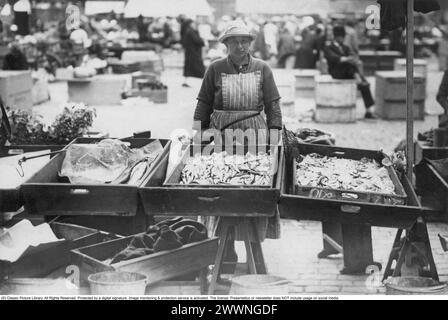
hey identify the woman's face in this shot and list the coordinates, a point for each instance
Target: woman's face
(238, 46)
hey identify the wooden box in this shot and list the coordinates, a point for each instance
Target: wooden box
(335, 93)
(372, 197)
(396, 110)
(432, 188)
(16, 88)
(391, 86)
(429, 152)
(40, 92)
(157, 267)
(44, 195)
(386, 59)
(149, 76)
(160, 198)
(369, 61)
(41, 260)
(156, 96)
(330, 114)
(319, 208)
(305, 82)
(420, 66)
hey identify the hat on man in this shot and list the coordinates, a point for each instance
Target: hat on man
(236, 29)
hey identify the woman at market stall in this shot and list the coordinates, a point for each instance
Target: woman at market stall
(234, 93)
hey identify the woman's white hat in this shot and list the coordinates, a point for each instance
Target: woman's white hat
(236, 29)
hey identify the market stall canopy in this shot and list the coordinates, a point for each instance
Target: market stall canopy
(301, 7)
(163, 8)
(98, 7)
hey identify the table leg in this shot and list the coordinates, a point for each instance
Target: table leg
(334, 231)
(357, 246)
(219, 255)
(203, 280)
(250, 257)
(258, 251)
(393, 254)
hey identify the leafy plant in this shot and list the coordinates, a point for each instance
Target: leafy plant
(73, 122)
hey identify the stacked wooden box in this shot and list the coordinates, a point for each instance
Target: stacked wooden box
(378, 60)
(335, 100)
(390, 96)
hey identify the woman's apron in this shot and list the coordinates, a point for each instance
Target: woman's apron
(240, 95)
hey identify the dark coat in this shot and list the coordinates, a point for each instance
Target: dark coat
(306, 55)
(336, 68)
(192, 42)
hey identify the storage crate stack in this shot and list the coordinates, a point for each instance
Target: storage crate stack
(390, 95)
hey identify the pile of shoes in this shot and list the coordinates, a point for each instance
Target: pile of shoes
(166, 235)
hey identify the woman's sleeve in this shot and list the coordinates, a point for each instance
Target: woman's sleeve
(271, 99)
(204, 107)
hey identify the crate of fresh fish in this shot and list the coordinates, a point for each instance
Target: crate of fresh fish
(326, 203)
(333, 177)
(93, 176)
(216, 181)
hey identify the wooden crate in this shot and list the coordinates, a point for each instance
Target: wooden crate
(305, 83)
(420, 66)
(161, 198)
(156, 96)
(301, 207)
(149, 76)
(44, 195)
(157, 267)
(373, 197)
(334, 92)
(429, 152)
(331, 114)
(386, 59)
(432, 188)
(99, 90)
(396, 110)
(41, 260)
(40, 92)
(391, 86)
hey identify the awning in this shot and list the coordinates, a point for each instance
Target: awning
(98, 7)
(163, 8)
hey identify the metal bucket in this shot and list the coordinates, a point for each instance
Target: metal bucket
(39, 286)
(117, 283)
(414, 286)
(256, 284)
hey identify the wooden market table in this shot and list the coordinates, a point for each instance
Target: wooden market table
(347, 223)
(235, 206)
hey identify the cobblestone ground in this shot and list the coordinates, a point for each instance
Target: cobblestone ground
(295, 255)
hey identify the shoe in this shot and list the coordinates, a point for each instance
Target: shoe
(186, 85)
(370, 115)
